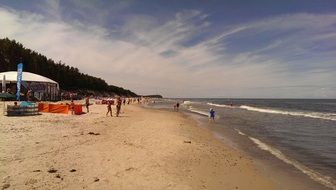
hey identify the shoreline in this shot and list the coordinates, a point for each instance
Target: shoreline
(142, 149)
(285, 172)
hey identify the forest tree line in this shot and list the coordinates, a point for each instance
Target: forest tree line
(69, 78)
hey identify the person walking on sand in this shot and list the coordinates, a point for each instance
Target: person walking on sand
(118, 106)
(212, 115)
(87, 103)
(109, 108)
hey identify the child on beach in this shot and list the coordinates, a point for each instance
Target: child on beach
(211, 115)
(16, 105)
(109, 108)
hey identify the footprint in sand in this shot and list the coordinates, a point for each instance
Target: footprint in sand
(92, 133)
(96, 179)
(52, 170)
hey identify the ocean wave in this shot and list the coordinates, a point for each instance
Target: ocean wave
(188, 102)
(317, 115)
(169, 100)
(239, 132)
(325, 180)
(198, 111)
(203, 113)
(220, 105)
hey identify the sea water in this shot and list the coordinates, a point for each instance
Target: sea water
(300, 132)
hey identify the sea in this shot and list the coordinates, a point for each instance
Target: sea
(299, 132)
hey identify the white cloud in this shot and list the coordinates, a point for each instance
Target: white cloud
(132, 59)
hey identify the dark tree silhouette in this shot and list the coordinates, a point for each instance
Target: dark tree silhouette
(68, 77)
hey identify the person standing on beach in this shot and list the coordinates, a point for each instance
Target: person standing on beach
(29, 94)
(177, 106)
(87, 103)
(118, 106)
(109, 108)
(212, 115)
(72, 107)
(71, 97)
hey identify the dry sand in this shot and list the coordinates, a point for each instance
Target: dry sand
(142, 149)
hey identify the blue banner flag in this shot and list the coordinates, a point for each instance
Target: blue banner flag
(18, 81)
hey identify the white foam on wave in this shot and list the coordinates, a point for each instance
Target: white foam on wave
(317, 115)
(198, 111)
(188, 102)
(203, 113)
(325, 180)
(220, 105)
(241, 133)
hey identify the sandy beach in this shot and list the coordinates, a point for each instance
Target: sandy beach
(142, 149)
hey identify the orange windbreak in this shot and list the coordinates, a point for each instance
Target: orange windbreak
(57, 108)
(78, 109)
(43, 107)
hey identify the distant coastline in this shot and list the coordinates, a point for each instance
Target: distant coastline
(153, 96)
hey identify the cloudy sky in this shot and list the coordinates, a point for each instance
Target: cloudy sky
(182, 48)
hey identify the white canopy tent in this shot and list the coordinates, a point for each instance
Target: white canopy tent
(42, 87)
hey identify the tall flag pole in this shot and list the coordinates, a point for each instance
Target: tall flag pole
(18, 81)
(4, 84)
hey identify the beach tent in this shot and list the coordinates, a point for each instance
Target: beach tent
(42, 87)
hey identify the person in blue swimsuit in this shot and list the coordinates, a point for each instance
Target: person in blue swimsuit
(212, 115)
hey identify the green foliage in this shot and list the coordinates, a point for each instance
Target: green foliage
(69, 78)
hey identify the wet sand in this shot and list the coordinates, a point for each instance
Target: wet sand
(142, 149)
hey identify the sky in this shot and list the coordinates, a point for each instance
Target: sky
(187, 48)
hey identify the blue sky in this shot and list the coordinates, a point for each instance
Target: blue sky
(204, 48)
